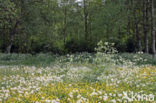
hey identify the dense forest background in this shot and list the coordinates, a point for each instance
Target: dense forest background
(69, 26)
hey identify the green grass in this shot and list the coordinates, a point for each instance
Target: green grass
(27, 59)
(49, 59)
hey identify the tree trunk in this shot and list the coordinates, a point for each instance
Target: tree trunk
(137, 31)
(152, 27)
(12, 34)
(65, 23)
(145, 20)
(85, 20)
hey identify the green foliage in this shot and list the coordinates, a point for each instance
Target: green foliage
(59, 27)
(8, 13)
(105, 47)
(74, 45)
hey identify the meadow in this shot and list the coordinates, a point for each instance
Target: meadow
(77, 51)
(103, 77)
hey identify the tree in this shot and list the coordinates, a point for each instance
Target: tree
(85, 19)
(9, 20)
(33, 26)
(152, 27)
(145, 24)
(137, 20)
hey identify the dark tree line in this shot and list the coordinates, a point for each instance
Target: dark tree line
(63, 26)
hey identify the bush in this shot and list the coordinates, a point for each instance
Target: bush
(131, 45)
(73, 46)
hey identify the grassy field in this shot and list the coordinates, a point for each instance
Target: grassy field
(77, 78)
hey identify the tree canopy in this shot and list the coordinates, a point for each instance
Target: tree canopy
(68, 26)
